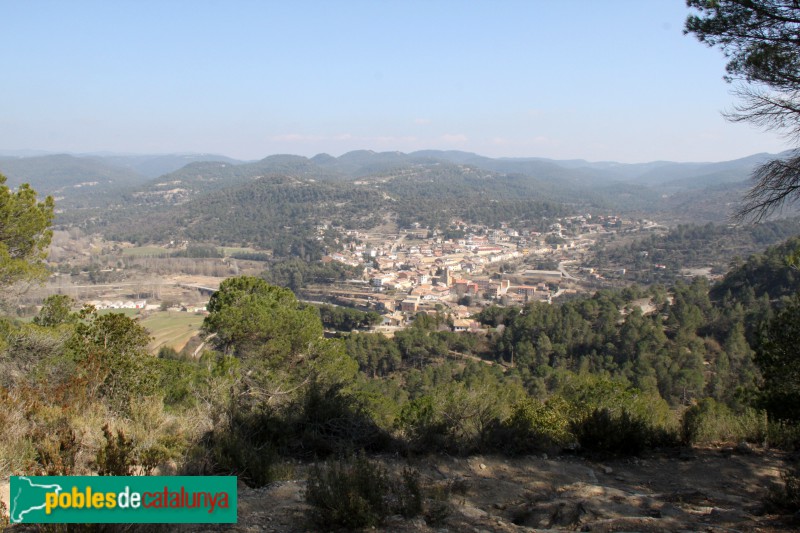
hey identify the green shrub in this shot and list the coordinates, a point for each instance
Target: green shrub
(604, 431)
(456, 417)
(234, 452)
(533, 426)
(56, 448)
(422, 426)
(115, 457)
(783, 435)
(358, 493)
(334, 422)
(710, 421)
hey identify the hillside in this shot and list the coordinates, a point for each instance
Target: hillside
(428, 187)
(117, 195)
(73, 181)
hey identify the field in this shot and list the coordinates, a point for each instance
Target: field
(144, 251)
(171, 328)
(230, 250)
(132, 313)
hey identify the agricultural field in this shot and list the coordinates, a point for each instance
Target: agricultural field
(144, 251)
(228, 251)
(171, 328)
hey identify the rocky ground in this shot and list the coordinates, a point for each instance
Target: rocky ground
(711, 489)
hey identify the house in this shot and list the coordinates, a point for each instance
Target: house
(462, 324)
(543, 275)
(410, 304)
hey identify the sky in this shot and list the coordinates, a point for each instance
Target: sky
(610, 80)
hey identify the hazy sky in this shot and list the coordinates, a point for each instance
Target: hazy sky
(598, 80)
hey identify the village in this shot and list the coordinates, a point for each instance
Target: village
(454, 273)
(419, 270)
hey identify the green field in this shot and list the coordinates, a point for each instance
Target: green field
(127, 312)
(230, 250)
(144, 251)
(172, 328)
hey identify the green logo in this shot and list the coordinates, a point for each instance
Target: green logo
(123, 499)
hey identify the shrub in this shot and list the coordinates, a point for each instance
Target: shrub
(5, 520)
(455, 417)
(55, 448)
(784, 435)
(358, 493)
(115, 457)
(604, 431)
(533, 426)
(334, 422)
(710, 421)
(234, 452)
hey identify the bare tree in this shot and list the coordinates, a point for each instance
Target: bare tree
(761, 39)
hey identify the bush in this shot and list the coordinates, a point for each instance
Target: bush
(334, 422)
(710, 421)
(455, 417)
(358, 493)
(115, 457)
(234, 452)
(533, 426)
(56, 448)
(5, 520)
(617, 434)
(783, 435)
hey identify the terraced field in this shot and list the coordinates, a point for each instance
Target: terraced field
(172, 328)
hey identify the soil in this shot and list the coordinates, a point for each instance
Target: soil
(709, 489)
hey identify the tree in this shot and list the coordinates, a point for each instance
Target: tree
(761, 39)
(253, 318)
(777, 357)
(279, 340)
(110, 352)
(24, 234)
(56, 310)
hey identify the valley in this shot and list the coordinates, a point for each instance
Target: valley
(420, 305)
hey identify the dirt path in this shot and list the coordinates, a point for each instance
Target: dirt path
(714, 490)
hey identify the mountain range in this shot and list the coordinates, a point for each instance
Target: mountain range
(151, 197)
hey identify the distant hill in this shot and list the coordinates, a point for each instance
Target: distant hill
(153, 166)
(73, 181)
(133, 195)
(767, 274)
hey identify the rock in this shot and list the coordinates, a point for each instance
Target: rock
(482, 466)
(608, 470)
(744, 448)
(473, 513)
(729, 515)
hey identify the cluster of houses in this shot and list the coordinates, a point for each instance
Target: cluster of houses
(420, 271)
(120, 304)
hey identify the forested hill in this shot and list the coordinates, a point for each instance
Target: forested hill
(567, 177)
(283, 212)
(773, 274)
(428, 188)
(74, 181)
(363, 189)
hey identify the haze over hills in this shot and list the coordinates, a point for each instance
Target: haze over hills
(362, 189)
(56, 170)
